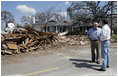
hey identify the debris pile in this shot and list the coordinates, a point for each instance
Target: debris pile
(73, 40)
(24, 39)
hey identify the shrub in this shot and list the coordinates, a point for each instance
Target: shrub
(115, 37)
(74, 32)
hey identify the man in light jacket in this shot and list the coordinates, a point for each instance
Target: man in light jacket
(105, 43)
(93, 35)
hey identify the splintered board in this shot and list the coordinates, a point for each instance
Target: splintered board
(12, 45)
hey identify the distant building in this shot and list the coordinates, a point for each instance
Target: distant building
(83, 28)
(54, 26)
(65, 26)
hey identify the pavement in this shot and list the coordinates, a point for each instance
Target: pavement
(65, 61)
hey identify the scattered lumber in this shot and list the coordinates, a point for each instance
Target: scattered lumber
(24, 39)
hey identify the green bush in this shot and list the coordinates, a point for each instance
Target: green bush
(115, 37)
(74, 32)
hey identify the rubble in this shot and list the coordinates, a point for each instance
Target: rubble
(24, 39)
(74, 40)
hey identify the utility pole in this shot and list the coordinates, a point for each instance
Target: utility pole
(111, 16)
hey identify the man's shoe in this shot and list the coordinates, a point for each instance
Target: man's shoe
(107, 66)
(93, 61)
(98, 62)
(101, 69)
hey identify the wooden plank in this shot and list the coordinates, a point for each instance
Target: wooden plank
(12, 45)
(33, 43)
(26, 42)
(6, 52)
(15, 35)
(30, 41)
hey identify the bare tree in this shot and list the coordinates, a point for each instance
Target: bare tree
(78, 13)
(26, 20)
(44, 16)
(6, 17)
(97, 10)
(59, 16)
(88, 11)
(50, 14)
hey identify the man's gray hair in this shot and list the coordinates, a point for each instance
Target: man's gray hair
(95, 23)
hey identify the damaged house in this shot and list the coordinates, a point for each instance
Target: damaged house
(54, 26)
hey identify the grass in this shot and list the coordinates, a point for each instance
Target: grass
(115, 37)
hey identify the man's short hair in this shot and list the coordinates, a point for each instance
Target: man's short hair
(105, 21)
(95, 23)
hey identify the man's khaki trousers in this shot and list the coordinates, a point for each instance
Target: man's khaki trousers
(95, 45)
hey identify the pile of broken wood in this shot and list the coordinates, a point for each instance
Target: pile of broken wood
(73, 40)
(24, 39)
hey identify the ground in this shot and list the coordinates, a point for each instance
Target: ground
(65, 61)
